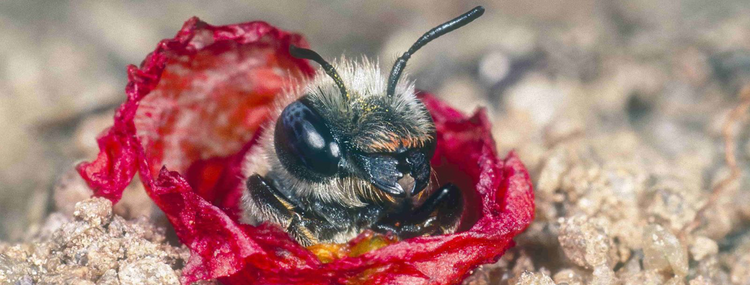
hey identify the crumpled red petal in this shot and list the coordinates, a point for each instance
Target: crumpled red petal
(194, 109)
(197, 97)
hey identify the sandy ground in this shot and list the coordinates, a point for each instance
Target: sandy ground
(630, 116)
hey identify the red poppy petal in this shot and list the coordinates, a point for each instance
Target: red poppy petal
(208, 90)
(115, 165)
(195, 106)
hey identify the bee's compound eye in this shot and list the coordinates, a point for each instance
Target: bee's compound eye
(304, 143)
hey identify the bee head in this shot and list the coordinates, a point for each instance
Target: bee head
(385, 141)
(356, 124)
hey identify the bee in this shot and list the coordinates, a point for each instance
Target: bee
(349, 151)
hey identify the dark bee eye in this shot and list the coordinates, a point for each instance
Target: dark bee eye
(304, 143)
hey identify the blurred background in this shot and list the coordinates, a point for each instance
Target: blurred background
(659, 75)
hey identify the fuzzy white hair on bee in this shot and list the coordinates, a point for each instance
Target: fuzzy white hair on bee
(349, 149)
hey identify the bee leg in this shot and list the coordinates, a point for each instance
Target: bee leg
(280, 210)
(301, 229)
(271, 203)
(445, 205)
(438, 214)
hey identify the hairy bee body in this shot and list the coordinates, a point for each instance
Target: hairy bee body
(372, 121)
(349, 151)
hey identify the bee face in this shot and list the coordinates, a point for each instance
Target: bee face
(365, 135)
(350, 151)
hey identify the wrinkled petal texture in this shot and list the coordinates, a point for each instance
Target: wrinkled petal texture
(194, 109)
(197, 98)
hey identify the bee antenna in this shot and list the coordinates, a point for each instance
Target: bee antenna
(314, 56)
(435, 33)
